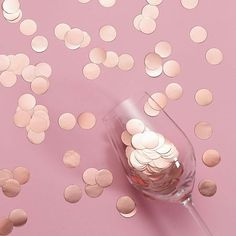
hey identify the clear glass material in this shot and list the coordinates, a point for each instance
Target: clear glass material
(173, 184)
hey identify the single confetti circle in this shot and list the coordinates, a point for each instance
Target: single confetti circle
(97, 55)
(28, 27)
(211, 158)
(61, 31)
(153, 61)
(150, 11)
(203, 130)
(150, 111)
(4, 62)
(29, 73)
(126, 62)
(198, 34)
(21, 174)
(43, 69)
(104, 178)
(11, 6)
(27, 101)
(203, 97)
(6, 226)
(111, 60)
(214, 56)
(125, 205)
(91, 71)
(18, 217)
(163, 49)
(158, 101)
(174, 91)
(71, 159)
(67, 121)
(107, 33)
(72, 193)
(11, 188)
(86, 120)
(8, 79)
(86, 41)
(40, 85)
(36, 138)
(135, 126)
(207, 188)
(89, 176)
(39, 44)
(171, 68)
(147, 25)
(93, 191)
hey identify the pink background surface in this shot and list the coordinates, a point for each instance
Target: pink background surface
(42, 197)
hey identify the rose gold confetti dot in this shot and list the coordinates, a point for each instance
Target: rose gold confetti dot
(126, 62)
(126, 138)
(171, 68)
(147, 25)
(22, 118)
(11, 188)
(204, 97)
(40, 108)
(6, 226)
(61, 30)
(43, 69)
(203, 130)
(211, 158)
(28, 27)
(84, 1)
(40, 85)
(27, 101)
(107, 3)
(214, 56)
(154, 73)
(91, 71)
(207, 188)
(150, 11)
(198, 34)
(93, 191)
(154, 2)
(163, 49)
(137, 21)
(189, 4)
(72, 193)
(4, 62)
(112, 59)
(86, 41)
(5, 175)
(21, 174)
(74, 37)
(128, 151)
(135, 126)
(18, 217)
(10, 6)
(28, 73)
(71, 159)
(39, 44)
(153, 61)
(150, 111)
(174, 91)
(97, 55)
(36, 138)
(133, 213)
(107, 33)
(86, 120)
(67, 121)
(104, 178)
(8, 79)
(125, 205)
(157, 101)
(89, 176)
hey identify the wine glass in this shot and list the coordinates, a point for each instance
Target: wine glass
(156, 154)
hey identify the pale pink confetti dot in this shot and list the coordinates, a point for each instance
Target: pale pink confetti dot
(147, 25)
(43, 69)
(211, 158)
(112, 59)
(36, 138)
(125, 205)
(72, 193)
(22, 118)
(137, 141)
(71, 159)
(27, 101)
(107, 3)
(11, 188)
(86, 41)
(67, 121)
(207, 188)
(8, 79)
(11, 16)
(174, 91)
(126, 138)
(137, 21)
(61, 30)
(158, 101)
(5, 175)
(150, 11)
(4, 62)
(135, 126)
(97, 55)
(74, 37)
(107, 33)
(91, 71)
(150, 111)
(153, 61)
(154, 2)
(28, 73)
(84, 1)
(214, 56)
(171, 68)
(6, 226)
(104, 178)
(28, 27)
(18, 217)
(198, 34)
(150, 139)
(86, 120)
(203, 97)
(203, 130)
(93, 191)
(89, 176)
(39, 44)
(11, 6)
(40, 85)
(20, 62)
(163, 49)
(189, 4)
(154, 73)
(21, 174)
(126, 62)
(40, 108)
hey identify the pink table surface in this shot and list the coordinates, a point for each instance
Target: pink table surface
(42, 197)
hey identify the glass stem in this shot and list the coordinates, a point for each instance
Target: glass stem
(198, 219)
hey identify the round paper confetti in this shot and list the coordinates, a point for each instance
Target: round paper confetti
(207, 188)
(43, 69)
(72, 193)
(107, 3)
(126, 138)
(21, 174)
(28, 27)
(36, 138)
(71, 159)
(18, 217)
(171, 68)
(198, 34)
(67, 121)
(97, 55)
(112, 59)
(86, 41)
(61, 30)
(6, 226)
(135, 126)
(89, 176)
(189, 4)
(11, 6)
(5, 175)
(137, 21)
(154, 2)
(150, 111)
(27, 102)
(39, 44)
(40, 85)
(22, 118)
(104, 178)
(93, 191)
(211, 158)
(147, 25)
(126, 62)
(163, 49)
(107, 33)
(214, 56)
(203, 130)
(74, 37)
(29, 73)
(125, 205)
(8, 79)
(153, 61)
(11, 188)
(86, 120)
(158, 101)
(91, 71)
(204, 97)
(150, 11)
(4, 62)
(174, 91)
